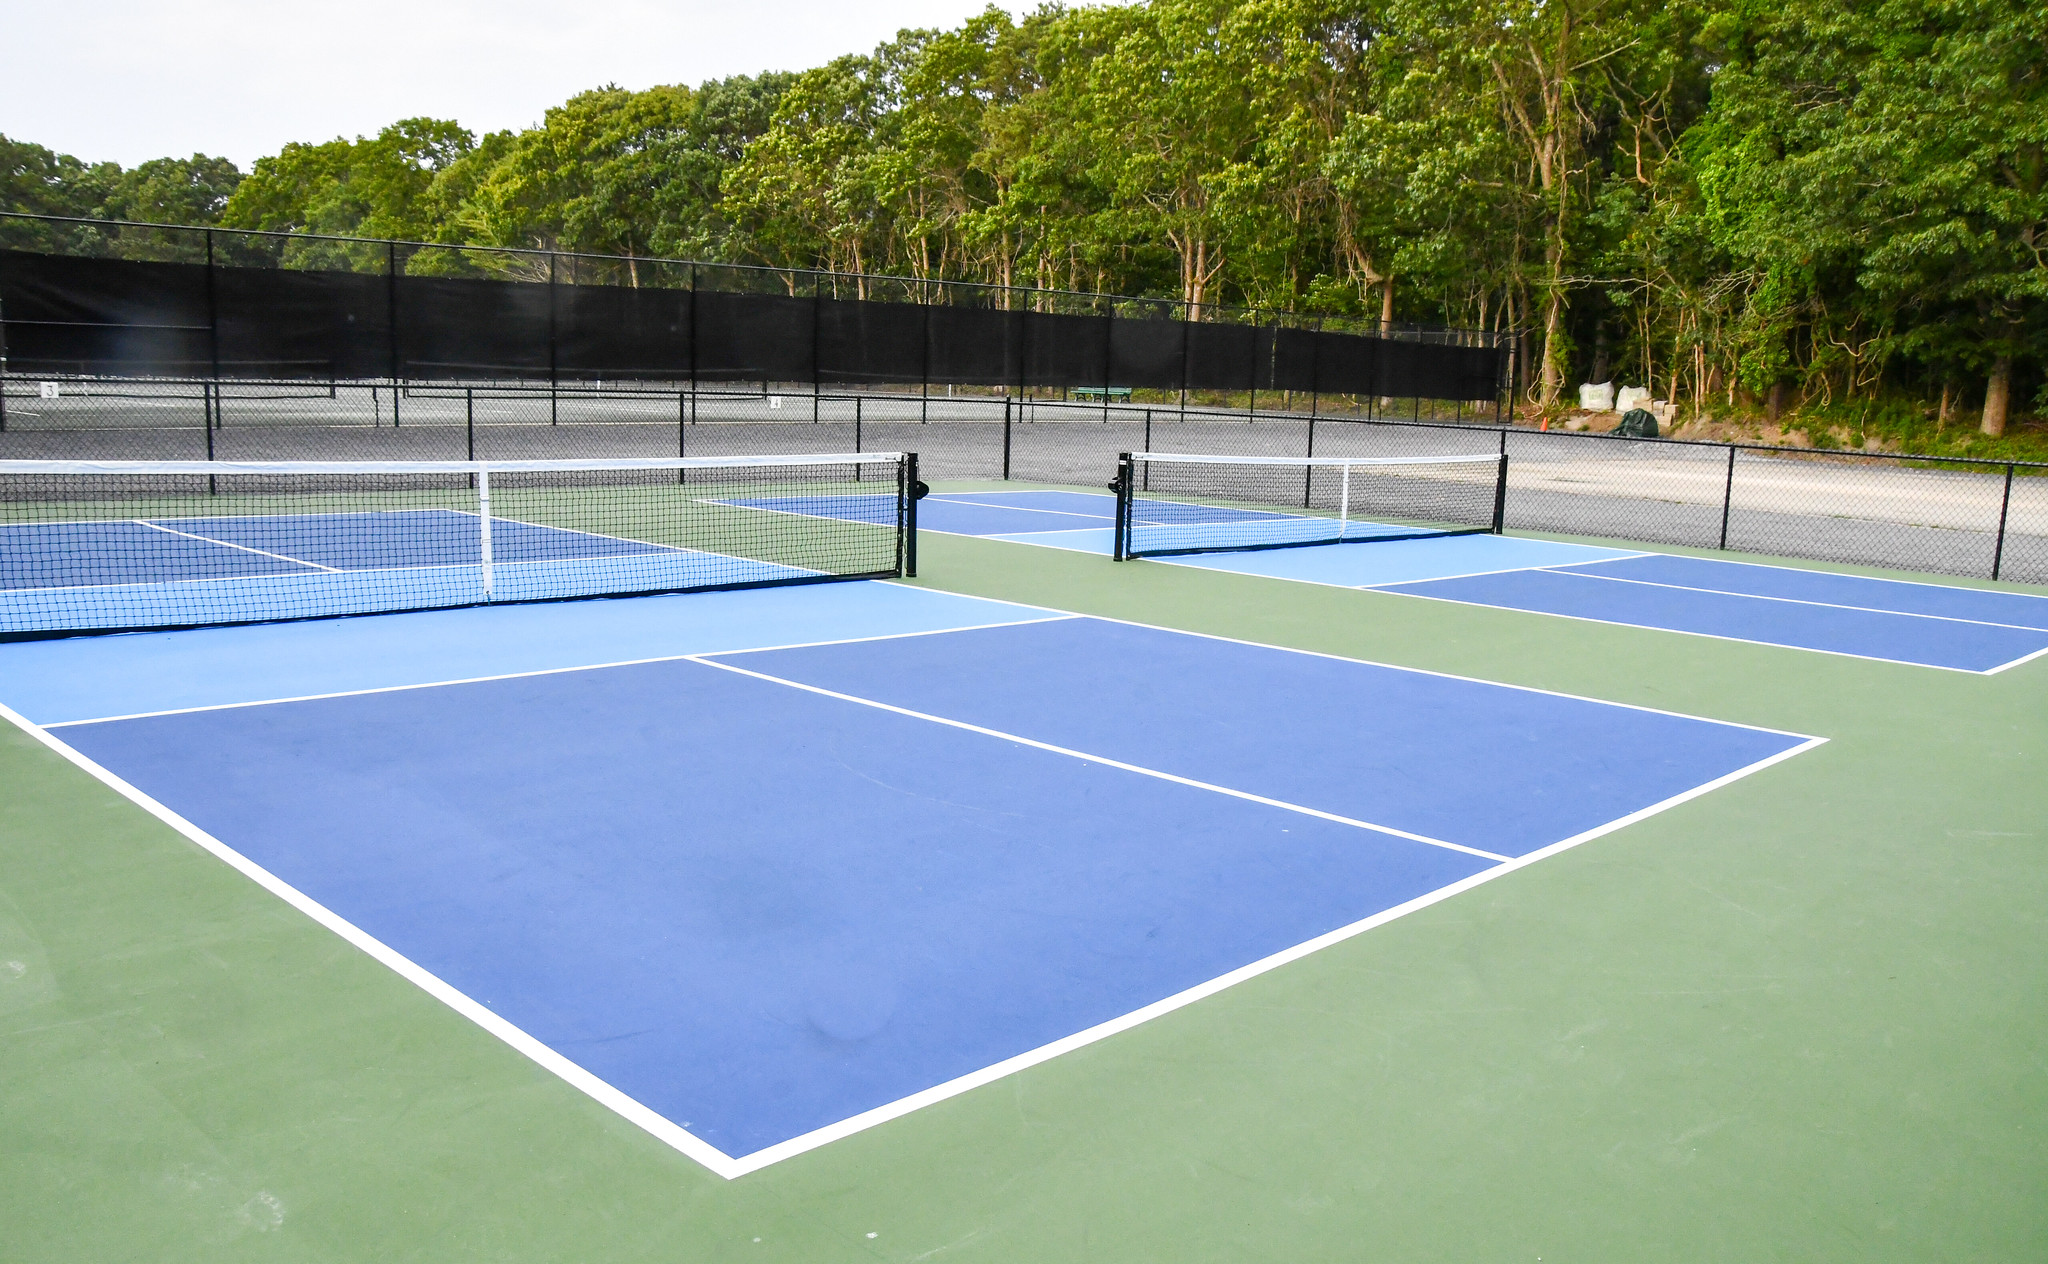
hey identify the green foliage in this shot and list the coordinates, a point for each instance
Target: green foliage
(1819, 203)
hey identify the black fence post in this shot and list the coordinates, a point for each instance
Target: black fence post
(1251, 405)
(2004, 508)
(856, 432)
(554, 394)
(391, 321)
(1148, 430)
(1727, 497)
(1186, 335)
(469, 419)
(1308, 472)
(1006, 438)
(924, 371)
(816, 343)
(1500, 488)
(1108, 357)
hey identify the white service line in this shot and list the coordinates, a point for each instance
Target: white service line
(1796, 601)
(549, 671)
(1711, 636)
(1104, 760)
(229, 544)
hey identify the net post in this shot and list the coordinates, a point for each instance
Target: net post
(1120, 549)
(1727, 497)
(483, 513)
(2004, 509)
(907, 516)
(1500, 489)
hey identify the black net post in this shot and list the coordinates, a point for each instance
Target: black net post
(907, 494)
(1119, 548)
(1727, 496)
(2004, 509)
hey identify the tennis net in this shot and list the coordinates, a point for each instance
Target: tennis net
(1170, 503)
(99, 546)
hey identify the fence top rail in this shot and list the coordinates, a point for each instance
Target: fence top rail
(816, 276)
(1328, 462)
(445, 467)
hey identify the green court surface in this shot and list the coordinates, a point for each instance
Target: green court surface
(1804, 1017)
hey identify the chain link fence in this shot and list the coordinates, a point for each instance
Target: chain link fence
(1946, 516)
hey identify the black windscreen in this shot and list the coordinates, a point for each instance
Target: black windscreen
(973, 346)
(613, 331)
(753, 337)
(285, 324)
(1066, 350)
(453, 328)
(68, 315)
(1221, 357)
(1296, 353)
(1146, 353)
(1344, 364)
(870, 342)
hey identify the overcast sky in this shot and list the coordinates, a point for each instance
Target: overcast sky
(130, 80)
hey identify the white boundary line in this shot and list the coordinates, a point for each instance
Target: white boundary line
(711, 660)
(433, 985)
(1564, 569)
(2024, 658)
(552, 671)
(1711, 636)
(725, 1165)
(1393, 588)
(1820, 569)
(1179, 1000)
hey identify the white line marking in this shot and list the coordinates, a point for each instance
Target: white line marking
(604, 1094)
(547, 671)
(229, 544)
(1796, 601)
(711, 661)
(1712, 636)
(2024, 658)
(1179, 1000)
(730, 1168)
(1390, 590)
(1419, 671)
(1430, 579)
(1876, 579)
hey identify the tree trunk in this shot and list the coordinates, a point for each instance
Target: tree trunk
(1387, 305)
(1997, 396)
(1776, 406)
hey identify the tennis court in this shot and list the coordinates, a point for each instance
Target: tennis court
(1215, 906)
(1931, 625)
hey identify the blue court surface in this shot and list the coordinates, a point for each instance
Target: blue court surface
(1931, 625)
(1923, 624)
(111, 574)
(772, 895)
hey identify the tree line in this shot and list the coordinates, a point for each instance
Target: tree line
(1818, 204)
